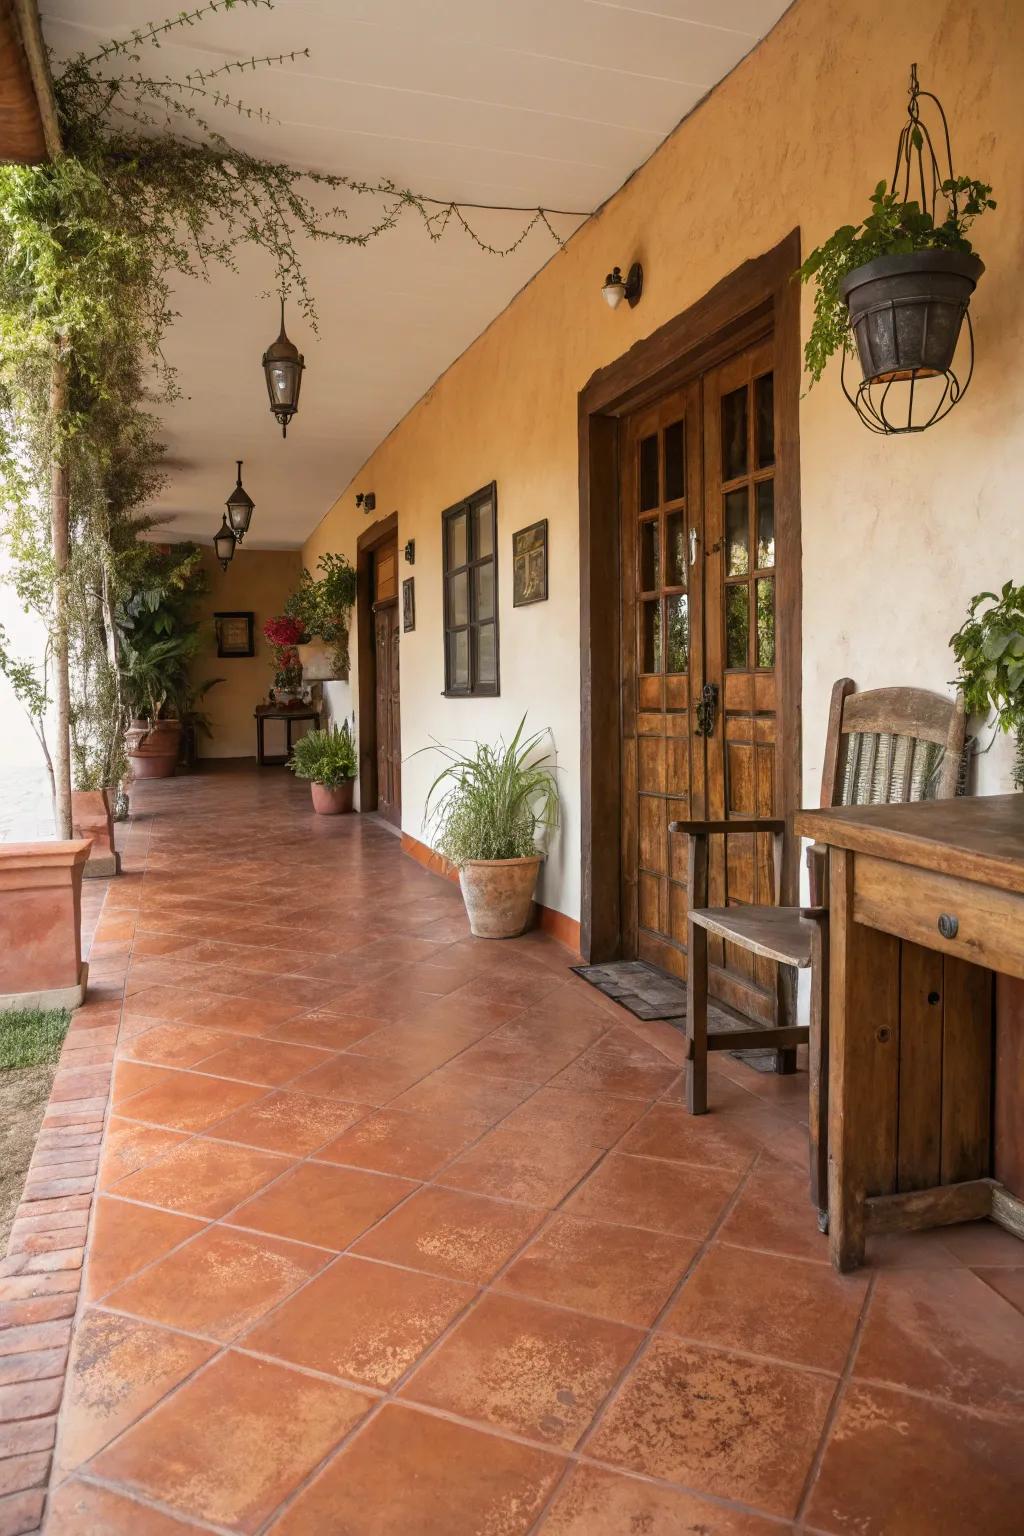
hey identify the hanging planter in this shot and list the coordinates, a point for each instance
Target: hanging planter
(906, 312)
(320, 663)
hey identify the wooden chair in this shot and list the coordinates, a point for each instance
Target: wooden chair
(883, 746)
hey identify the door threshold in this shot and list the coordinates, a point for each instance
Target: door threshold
(382, 821)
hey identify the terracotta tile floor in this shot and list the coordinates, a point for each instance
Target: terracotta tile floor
(406, 1234)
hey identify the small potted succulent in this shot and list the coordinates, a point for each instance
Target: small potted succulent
(284, 633)
(989, 649)
(328, 760)
(322, 605)
(495, 803)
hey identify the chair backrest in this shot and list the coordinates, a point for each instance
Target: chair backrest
(891, 744)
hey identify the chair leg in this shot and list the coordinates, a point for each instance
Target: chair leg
(697, 1019)
(818, 1072)
(785, 993)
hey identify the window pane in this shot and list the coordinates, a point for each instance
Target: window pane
(486, 655)
(675, 550)
(737, 625)
(765, 622)
(650, 636)
(764, 406)
(675, 462)
(737, 533)
(765, 524)
(457, 540)
(483, 532)
(458, 599)
(734, 433)
(483, 590)
(650, 578)
(458, 659)
(678, 633)
(648, 473)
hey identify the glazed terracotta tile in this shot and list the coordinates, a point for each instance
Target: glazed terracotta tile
(714, 1141)
(128, 1145)
(125, 1238)
(188, 1101)
(534, 1063)
(329, 1031)
(173, 1045)
(323, 1205)
(229, 1446)
(538, 1171)
(219, 1284)
(717, 1422)
(575, 1032)
(774, 1212)
(164, 1002)
(119, 1368)
(297, 991)
(450, 1088)
(599, 1118)
(288, 1122)
(645, 1192)
(482, 1015)
(400, 1142)
(530, 1369)
(431, 1044)
(383, 1000)
(595, 1502)
(1008, 1282)
(203, 1178)
(609, 1074)
(83, 1509)
(132, 1077)
(765, 1304)
(366, 1322)
(248, 1015)
(269, 1062)
(898, 1465)
(947, 1334)
(457, 1480)
(504, 985)
(623, 1273)
(982, 1242)
(449, 1233)
(359, 1079)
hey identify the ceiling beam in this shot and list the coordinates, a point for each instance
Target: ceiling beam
(29, 132)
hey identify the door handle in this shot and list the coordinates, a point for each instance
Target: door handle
(693, 546)
(706, 709)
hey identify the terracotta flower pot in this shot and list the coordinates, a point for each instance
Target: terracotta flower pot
(499, 895)
(153, 749)
(318, 664)
(91, 817)
(331, 802)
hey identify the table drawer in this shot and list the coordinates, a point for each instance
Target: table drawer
(957, 917)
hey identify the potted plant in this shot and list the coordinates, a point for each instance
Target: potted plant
(322, 606)
(195, 722)
(284, 633)
(328, 760)
(158, 637)
(495, 803)
(989, 649)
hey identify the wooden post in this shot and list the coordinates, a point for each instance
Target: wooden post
(60, 545)
(697, 980)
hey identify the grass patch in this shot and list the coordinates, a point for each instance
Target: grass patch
(31, 1037)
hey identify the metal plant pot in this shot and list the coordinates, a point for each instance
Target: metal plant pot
(499, 895)
(906, 311)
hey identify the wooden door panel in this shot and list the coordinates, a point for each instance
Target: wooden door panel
(387, 689)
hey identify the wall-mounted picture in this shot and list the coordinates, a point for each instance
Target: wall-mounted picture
(409, 603)
(235, 635)
(530, 564)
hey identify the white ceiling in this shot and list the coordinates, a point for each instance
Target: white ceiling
(550, 102)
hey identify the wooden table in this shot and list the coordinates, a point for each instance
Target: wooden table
(265, 712)
(926, 902)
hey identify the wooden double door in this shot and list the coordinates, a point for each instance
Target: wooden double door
(701, 658)
(387, 691)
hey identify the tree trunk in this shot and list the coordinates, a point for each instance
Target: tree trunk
(60, 542)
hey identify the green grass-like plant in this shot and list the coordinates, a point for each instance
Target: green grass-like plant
(989, 649)
(31, 1037)
(327, 757)
(496, 800)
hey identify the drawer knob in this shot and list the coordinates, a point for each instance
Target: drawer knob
(948, 925)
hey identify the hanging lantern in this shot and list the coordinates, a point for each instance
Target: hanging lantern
(224, 543)
(283, 364)
(240, 507)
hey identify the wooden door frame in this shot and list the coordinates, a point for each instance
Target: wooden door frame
(758, 297)
(367, 544)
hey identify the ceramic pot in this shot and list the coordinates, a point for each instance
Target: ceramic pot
(317, 658)
(92, 817)
(499, 895)
(906, 311)
(153, 749)
(331, 802)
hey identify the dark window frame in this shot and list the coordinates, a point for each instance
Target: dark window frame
(474, 689)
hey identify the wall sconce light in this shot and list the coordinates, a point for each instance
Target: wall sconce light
(410, 552)
(367, 500)
(282, 365)
(240, 507)
(615, 289)
(224, 543)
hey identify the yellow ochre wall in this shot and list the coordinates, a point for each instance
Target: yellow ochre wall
(898, 533)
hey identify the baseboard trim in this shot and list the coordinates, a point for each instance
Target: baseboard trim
(558, 924)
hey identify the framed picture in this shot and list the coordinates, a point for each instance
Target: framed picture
(530, 564)
(234, 634)
(409, 603)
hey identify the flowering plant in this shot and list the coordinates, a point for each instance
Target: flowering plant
(284, 631)
(288, 673)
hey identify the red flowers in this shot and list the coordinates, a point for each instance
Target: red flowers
(284, 631)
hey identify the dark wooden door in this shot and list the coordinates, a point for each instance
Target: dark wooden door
(698, 629)
(386, 630)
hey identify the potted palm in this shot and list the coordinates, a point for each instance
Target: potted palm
(158, 636)
(989, 649)
(321, 606)
(328, 760)
(495, 803)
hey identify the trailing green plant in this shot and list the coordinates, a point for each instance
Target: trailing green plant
(322, 605)
(894, 227)
(989, 650)
(327, 757)
(497, 800)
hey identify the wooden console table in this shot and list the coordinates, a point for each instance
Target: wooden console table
(265, 712)
(926, 901)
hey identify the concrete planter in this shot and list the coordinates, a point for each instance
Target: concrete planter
(318, 665)
(499, 895)
(153, 749)
(41, 924)
(332, 802)
(91, 817)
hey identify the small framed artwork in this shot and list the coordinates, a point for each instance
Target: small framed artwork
(530, 564)
(409, 603)
(235, 636)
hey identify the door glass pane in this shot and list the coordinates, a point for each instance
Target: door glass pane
(737, 533)
(483, 590)
(734, 433)
(737, 625)
(765, 622)
(764, 407)
(649, 562)
(457, 540)
(458, 659)
(486, 655)
(765, 524)
(458, 598)
(648, 473)
(677, 633)
(483, 537)
(650, 636)
(675, 462)
(675, 550)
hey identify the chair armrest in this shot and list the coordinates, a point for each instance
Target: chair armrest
(773, 824)
(817, 872)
